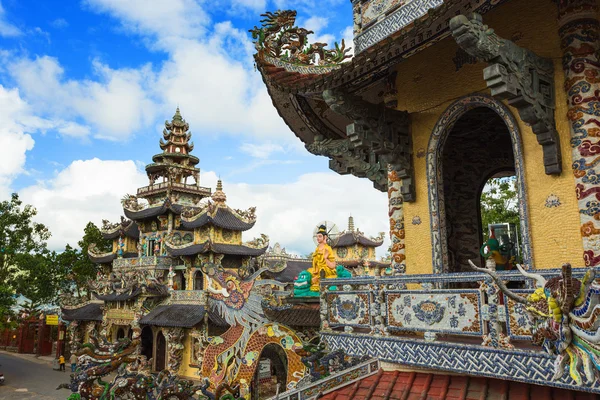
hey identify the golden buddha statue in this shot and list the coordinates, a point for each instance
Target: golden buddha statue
(322, 260)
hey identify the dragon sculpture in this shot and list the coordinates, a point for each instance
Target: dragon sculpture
(229, 357)
(133, 379)
(564, 315)
(279, 38)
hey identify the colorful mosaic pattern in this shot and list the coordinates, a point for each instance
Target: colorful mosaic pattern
(435, 148)
(438, 311)
(518, 322)
(404, 16)
(580, 42)
(396, 214)
(349, 308)
(522, 366)
(371, 10)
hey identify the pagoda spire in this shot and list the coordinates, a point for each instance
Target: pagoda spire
(351, 224)
(219, 196)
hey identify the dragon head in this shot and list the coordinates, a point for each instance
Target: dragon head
(563, 312)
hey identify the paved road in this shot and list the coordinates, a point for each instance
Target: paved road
(30, 379)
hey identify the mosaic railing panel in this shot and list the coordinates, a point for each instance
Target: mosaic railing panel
(333, 382)
(120, 313)
(143, 262)
(349, 309)
(437, 311)
(188, 297)
(518, 324)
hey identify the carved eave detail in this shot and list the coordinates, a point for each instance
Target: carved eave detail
(377, 139)
(517, 75)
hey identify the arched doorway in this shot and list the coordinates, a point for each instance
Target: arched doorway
(474, 139)
(198, 281)
(179, 280)
(161, 351)
(270, 377)
(120, 333)
(147, 342)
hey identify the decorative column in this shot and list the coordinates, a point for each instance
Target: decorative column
(175, 347)
(579, 34)
(396, 214)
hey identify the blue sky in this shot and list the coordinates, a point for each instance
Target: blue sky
(85, 87)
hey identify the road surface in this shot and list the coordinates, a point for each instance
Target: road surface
(29, 378)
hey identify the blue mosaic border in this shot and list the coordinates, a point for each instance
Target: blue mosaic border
(416, 9)
(435, 190)
(522, 366)
(440, 331)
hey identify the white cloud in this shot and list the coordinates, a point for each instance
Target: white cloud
(59, 23)
(116, 105)
(85, 191)
(73, 129)
(91, 190)
(6, 28)
(289, 212)
(164, 19)
(262, 150)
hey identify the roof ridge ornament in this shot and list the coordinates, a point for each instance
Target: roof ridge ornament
(279, 38)
(518, 75)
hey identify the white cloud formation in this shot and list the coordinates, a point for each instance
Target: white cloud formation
(59, 23)
(6, 28)
(163, 19)
(91, 190)
(289, 212)
(261, 150)
(116, 105)
(85, 191)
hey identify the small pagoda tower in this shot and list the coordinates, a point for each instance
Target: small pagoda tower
(356, 251)
(170, 170)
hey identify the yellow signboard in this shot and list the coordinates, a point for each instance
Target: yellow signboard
(51, 319)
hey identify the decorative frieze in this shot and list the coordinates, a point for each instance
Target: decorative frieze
(518, 75)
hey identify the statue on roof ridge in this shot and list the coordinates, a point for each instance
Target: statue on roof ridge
(279, 38)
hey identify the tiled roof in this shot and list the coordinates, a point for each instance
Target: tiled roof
(89, 312)
(416, 385)
(178, 315)
(102, 258)
(224, 218)
(131, 230)
(153, 211)
(229, 249)
(291, 271)
(299, 315)
(352, 238)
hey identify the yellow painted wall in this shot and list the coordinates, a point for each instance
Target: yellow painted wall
(428, 83)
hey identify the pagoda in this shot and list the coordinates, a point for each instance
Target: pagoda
(181, 283)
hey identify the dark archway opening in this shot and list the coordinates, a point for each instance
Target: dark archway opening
(270, 376)
(478, 147)
(147, 343)
(161, 351)
(198, 281)
(120, 333)
(179, 280)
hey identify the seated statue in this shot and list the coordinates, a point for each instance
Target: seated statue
(323, 260)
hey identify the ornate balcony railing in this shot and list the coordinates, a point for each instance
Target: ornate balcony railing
(477, 330)
(197, 297)
(165, 185)
(143, 262)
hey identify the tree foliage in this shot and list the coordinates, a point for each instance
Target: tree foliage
(499, 203)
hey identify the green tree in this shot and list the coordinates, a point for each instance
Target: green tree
(76, 265)
(499, 203)
(22, 240)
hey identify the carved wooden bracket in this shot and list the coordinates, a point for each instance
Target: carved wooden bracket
(379, 137)
(518, 75)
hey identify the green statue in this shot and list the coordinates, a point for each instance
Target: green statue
(302, 285)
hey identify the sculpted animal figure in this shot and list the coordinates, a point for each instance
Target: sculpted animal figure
(564, 313)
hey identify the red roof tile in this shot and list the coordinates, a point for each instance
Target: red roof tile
(396, 385)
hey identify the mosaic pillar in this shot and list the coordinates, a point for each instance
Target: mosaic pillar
(175, 346)
(579, 34)
(396, 214)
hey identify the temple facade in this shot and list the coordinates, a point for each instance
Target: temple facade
(183, 290)
(439, 97)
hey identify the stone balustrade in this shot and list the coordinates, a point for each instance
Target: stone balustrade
(451, 322)
(143, 262)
